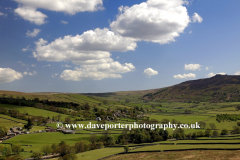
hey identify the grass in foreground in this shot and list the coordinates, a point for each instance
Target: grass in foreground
(177, 147)
(97, 153)
(181, 155)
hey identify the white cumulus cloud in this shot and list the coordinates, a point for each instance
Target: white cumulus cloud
(67, 6)
(3, 14)
(9, 75)
(64, 22)
(237, 73)
(67, 66)
(23, 64)
(213, 74)
(34, 33)
(54, 75)
(197, 18)
(159, 21)
(192, 67)
(25, 49)
(31, 14)
(91, 50)
(97, 72)
(33, 73)
(184, 76)
(150, 72)
(25, 73)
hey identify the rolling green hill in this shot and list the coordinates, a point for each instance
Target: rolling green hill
(220, 88)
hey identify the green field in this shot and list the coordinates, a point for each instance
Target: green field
(178, 147)
(38, 140)
(203, 111)
(181, 155)
(35, 111)
(12, 119)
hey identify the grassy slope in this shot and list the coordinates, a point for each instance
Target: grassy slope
(176, 147)
(181, 155)
(9, 123)
(99, 153)
(38, 140)
(217, 88)
(202, 112)
(35, 111)
(12, 119)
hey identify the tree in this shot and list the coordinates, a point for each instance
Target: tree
(126, 148)
(208, 132)
(165, 135)
(64, 149)
(202, 124)
(70, 156)
(17, 157)
(68, 120)
(29, 125)
(174, 121)
(224, 132)
(237, 108)
(200, 134)
(86, 106)
(16, 149)
(238, 123)
(127, 101)
(47, 150)
(93, 138)
(36, 155)
(81, 146)
(6, 151)
(99, 145)
(3, 131)
(178, 136)
(153, 106)
(109, 140)
(215, 133)
(105, 102)
(59, 117)
(165, 121)
(236, 130)
(194, 135)
(212, 126)
(54, 148)
(36, 99)
(179, 131)
(189, 135)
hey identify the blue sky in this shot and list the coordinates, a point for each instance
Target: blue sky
(83, 46)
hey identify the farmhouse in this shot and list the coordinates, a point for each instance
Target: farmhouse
(68, 131)
(50, 129)
(98, 119)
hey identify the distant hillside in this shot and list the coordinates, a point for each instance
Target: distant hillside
(220, 88)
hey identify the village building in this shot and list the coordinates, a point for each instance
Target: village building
(68, 131)
(98, 119)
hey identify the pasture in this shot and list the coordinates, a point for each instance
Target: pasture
(203, 111)
(35, 111)
(181, 155)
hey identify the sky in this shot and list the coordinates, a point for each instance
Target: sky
(95, 46)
